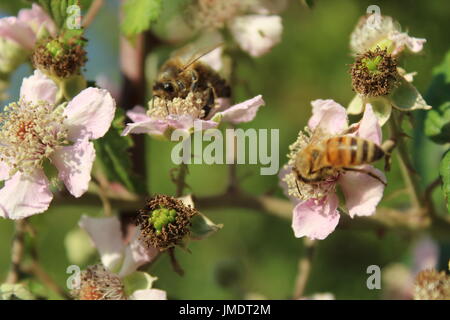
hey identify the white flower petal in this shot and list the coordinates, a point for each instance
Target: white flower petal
(23, 196)
(74, 164)
(106, 236)
(149, 294)
(90, 113)
(38, 87)
(256, 34)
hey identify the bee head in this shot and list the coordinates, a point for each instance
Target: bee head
(165, 89)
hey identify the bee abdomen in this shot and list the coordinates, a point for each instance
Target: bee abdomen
(345, 151)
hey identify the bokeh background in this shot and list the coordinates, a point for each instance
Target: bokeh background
(255, 254)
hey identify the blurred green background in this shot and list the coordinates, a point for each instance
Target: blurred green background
(256, 254)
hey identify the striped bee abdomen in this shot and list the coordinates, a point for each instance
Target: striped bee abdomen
(343, 151)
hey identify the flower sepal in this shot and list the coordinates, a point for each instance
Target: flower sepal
(202, 227)
(405, 97)
(137, 280)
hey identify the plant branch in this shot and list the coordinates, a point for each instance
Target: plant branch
(94, 9)
(304, 268)
(409, 175)
(17, 251)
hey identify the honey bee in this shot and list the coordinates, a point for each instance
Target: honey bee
(177, 79)
(324, 158)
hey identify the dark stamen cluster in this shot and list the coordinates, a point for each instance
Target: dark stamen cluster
(374, 73)
(59, 59)
(174, 231)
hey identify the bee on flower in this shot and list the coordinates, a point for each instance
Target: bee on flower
(328, 155)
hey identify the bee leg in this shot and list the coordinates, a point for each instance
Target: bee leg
(387, 147)
(210, 101)
(194, 84)
(366, 172)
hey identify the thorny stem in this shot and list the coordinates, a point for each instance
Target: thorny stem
(409, 175)
(17, 252)
(304, 268)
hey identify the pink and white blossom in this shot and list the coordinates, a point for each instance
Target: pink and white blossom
(254, 24)
(35, 131)
(188, 120)
(316, 212)
(384, 32)
(121, 254)
(18, 35)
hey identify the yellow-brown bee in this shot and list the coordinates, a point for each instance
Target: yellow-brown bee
(322, 159)
(177, 79)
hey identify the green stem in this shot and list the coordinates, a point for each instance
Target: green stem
(180, 180)
(409, 175)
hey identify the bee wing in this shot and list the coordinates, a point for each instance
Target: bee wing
(191, 53)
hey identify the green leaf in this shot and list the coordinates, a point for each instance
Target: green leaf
(406, 97)
(445, 175)
(137, 281)
(57, 9)
(437, 124)
(15, 292)
(439, 90)
(113, 155)
(138, 15)
(202, 227)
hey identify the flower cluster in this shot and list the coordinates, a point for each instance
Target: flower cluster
(377, 78)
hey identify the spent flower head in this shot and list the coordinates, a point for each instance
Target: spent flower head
(374, 73)
(165, 222)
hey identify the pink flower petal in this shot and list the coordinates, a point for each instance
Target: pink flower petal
(329, 116)
(38, 87)
(37, 18)
(106, 236)
(256, 34)
(136, 255)
(415, 44)
(4, 171)
(425, 254)
(90, 113)
(138, 114)
(362, 192)
(23, 196)
(244, 111)
(152, 127)
(369, 127)
(18, 31)
(402, 40)
(316, 219)
(74, 164)
(149, 294)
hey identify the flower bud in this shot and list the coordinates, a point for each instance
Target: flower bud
(12, 55)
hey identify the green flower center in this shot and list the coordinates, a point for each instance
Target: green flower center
(372, 64)
(162, 217)
(55, 48)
